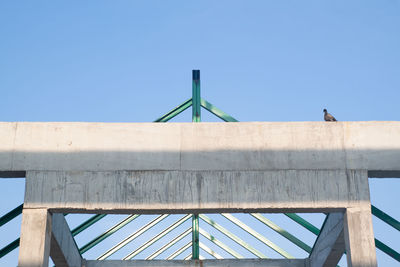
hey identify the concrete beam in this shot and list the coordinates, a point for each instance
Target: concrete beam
(359, 237)
(200, 263)
(195, 191)
(12, 174)
(238, 146)
(34, 248)
(64, 251)
(329, 246)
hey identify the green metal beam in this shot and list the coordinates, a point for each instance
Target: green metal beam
(11, 215)
(83, 226)
(303, 223)
(255, 234)
(179, 251)
(195, 236)
(217, 112)
(108, 233)
(385, 217)
(196, 110)
(210, 251)
(220, 244)
(176, 111)
(8, 248)
(282, 232)
(170, 244)
(386, 249)
(223, 230)
(157, 237)
(196, 117)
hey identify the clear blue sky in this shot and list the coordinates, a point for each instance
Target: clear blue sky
(131, 61)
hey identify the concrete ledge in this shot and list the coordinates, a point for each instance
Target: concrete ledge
(195, 191)
(71, 146)
(200, 263)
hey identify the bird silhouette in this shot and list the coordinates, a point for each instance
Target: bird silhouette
(328, 117)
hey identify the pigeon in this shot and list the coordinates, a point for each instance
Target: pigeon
(328, 117)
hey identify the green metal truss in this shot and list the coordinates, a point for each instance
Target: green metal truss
(196, 102)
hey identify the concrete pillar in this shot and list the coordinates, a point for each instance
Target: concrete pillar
(34, 249)
(329, 246)
(359, 237)
(64, 251)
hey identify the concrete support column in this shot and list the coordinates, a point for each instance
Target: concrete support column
(64, 251)
(329, 246)
(34, 246)
(359, 237)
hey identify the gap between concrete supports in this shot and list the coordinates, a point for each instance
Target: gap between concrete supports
(329, 246)
(35, 238)
(359, 237)
(64, 251)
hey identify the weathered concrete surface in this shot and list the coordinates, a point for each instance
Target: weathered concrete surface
(34, 246)
(329, 246)
(200, 263)
(191, 191)
(373, 146)
(359, 237)
(64, 251)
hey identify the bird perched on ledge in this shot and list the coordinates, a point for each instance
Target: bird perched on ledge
(328, 117)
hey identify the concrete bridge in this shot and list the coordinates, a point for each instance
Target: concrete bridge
(198, 168)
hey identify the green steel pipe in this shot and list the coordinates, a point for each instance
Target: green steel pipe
(176, 111)
(83, 226)
(196, 110)
(196, 117)
(282, 232)
(10, 247)
(220, 244)
(133, 236)
(255, 234)
(388, 250)
(11, 215)
(108, 233)
(217, 112)
(303, 223)
(385, 217)
(242, 243)
(170, 244)
(179, 251)
(157, 237)
(210, 251)
(195, 236)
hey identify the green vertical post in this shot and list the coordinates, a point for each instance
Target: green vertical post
(196, 117)
(195, 237)
(196, 99)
